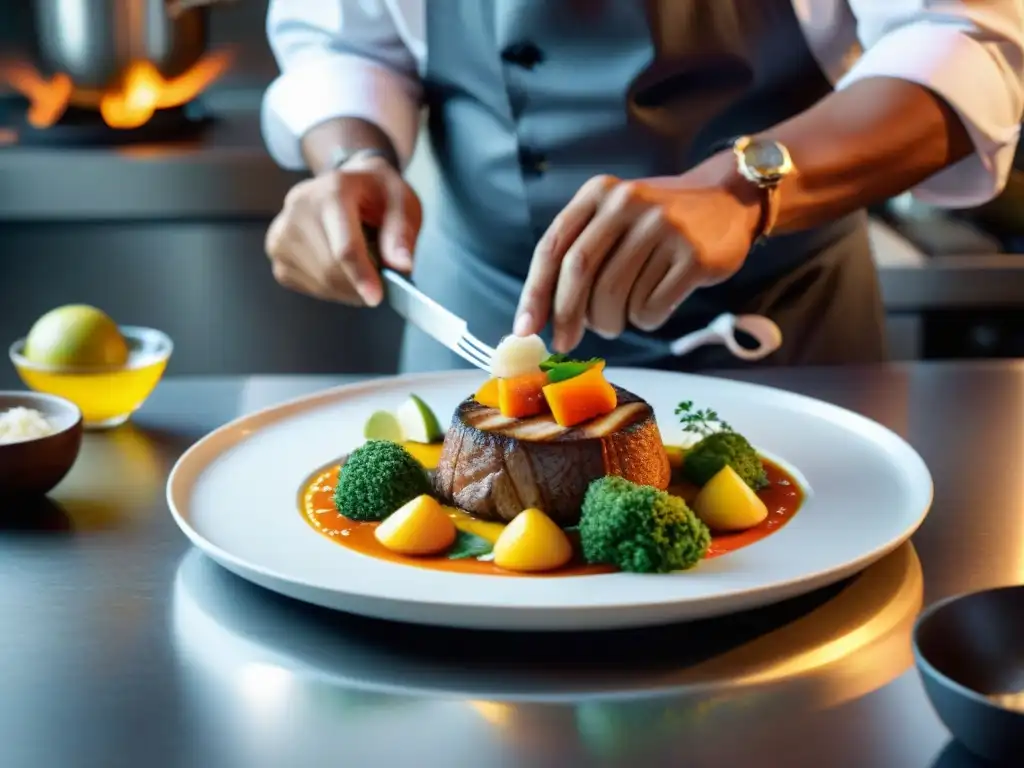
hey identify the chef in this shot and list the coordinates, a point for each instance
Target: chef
(616, 173)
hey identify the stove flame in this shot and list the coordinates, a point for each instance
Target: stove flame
(47, 99)
(144, 90)
(141, 92)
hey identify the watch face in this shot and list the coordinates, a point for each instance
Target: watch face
(766, 159)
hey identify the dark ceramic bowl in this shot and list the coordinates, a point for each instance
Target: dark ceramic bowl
(34, 467)
(970, 653)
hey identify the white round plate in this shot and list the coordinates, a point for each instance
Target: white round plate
(235, 495)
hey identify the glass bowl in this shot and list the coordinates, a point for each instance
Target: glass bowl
(108, 395)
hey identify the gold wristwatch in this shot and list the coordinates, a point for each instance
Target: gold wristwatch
(764, 163)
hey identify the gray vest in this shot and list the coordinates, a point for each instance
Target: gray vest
(528, 99)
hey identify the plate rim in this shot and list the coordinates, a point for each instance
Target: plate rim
(751, 595)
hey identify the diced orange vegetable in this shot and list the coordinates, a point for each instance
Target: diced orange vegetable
(522, 396)
(488, 394)
(581, 398)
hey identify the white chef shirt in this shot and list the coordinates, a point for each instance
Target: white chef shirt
(364, 59)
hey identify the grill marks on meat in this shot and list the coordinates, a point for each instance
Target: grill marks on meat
(617, 420)
(495, 467)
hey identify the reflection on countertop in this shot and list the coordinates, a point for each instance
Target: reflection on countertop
(245, 649)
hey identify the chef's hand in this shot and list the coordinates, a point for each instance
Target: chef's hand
(316, 244)
(631, 251)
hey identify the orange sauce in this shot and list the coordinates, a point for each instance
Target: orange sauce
(783, 498)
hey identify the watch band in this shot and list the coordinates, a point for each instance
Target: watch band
(769, 194)
(767, 183)
(723, 145)
(769, 213)
(342, 156)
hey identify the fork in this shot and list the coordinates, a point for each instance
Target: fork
(475, 351)
(436, 321)
(426, 314)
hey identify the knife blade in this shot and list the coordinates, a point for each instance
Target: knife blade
(422, 311)
(433, 319)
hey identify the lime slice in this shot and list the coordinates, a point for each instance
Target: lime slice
(418, 423)
(383, 425)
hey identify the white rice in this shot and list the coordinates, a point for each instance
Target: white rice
(20, 424)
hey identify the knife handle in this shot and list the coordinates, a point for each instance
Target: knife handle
(372, 237)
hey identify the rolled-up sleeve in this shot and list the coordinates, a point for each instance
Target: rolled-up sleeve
(969, 53)
(338, 58)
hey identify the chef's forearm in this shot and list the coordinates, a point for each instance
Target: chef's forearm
(321, 144)
(862, 145)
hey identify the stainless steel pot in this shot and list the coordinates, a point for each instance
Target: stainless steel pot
(94, 41)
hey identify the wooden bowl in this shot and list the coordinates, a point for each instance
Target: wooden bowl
(34, 467)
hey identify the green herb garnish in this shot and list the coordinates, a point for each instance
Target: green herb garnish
(552, 360)
(469, 545)
(559, 367)
(719, 445)
(701, 422)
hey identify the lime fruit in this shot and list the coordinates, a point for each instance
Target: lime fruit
(382, 425)
(418, 422)
(76, 336)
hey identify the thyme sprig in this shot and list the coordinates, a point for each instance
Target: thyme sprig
(699, 421)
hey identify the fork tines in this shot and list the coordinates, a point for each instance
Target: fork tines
(475, 351)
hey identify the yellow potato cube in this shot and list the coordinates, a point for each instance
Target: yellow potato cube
(532, 542)
(726, 503)
(420, 527)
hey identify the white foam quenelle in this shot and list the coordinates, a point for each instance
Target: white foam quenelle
(518, 356)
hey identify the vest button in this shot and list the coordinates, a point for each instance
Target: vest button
(525, 55)
(533, 163)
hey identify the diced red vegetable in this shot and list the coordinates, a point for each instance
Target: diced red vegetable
(520, 397)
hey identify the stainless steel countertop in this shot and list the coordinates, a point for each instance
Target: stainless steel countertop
(120, 646)
(222, 173)
(955, 282)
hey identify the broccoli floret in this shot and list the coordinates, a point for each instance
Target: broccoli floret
(705, 459)
(639, 528)
(378, 478)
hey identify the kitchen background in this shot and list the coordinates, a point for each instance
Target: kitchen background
(163, 224)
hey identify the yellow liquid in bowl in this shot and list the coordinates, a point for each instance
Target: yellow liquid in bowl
(106, 399)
